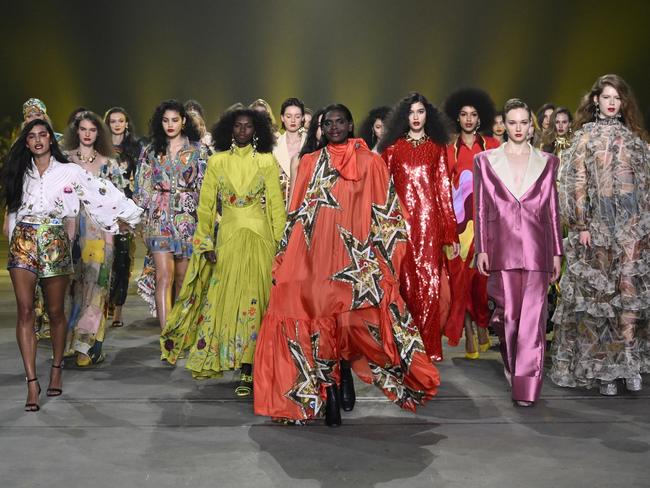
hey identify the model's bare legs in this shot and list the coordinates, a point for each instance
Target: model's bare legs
(24, 283)
(164, 263)
(54, 290)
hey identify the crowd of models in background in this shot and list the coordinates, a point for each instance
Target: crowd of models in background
(602, 303)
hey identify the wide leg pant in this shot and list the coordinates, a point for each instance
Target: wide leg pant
(519, 320)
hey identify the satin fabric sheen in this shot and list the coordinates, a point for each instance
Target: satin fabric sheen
(422, 183)
(312, 320)
(517, 234)
(520, 237)
(522, 336)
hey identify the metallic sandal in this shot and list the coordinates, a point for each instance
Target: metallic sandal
(245, 387)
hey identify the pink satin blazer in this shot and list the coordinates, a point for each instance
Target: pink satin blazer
(517, 231)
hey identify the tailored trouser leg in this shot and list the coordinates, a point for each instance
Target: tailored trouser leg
(520, 322)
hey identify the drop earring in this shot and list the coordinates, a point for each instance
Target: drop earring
(233, 145)
(254, 143)
(596, 111)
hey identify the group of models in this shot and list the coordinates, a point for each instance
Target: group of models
(300, 257)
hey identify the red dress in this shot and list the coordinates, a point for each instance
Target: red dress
(336, 291)
(419, 170)
(468, 286)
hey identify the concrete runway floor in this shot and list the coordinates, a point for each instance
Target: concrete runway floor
(134, 421)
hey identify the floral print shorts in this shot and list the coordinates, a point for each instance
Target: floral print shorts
(43, 249)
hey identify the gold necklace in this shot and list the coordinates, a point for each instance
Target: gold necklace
(90, 160)
(416, 142)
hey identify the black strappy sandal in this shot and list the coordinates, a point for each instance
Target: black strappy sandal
(33, 407)
(54, 392)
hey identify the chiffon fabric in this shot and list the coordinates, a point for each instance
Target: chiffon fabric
(468, 286)
(419, 169)
(601, 323)
(336, 291)
(90, 283)
(218, 313)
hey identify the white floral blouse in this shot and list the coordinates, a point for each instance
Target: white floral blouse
(57, 193)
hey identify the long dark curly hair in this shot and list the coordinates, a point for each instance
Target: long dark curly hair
(366, 131)
(312, 143)
(630, 113)
(398, 123)
(157, 133)
(129, 147)
(103, 144)
(19, 161)
(471, 97)
(222, 130)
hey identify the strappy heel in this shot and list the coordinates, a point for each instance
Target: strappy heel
(245, 387)
(54, 392)
(33, 407)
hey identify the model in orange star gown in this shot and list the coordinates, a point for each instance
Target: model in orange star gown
(336, 289)
(468, 107)
(417, 162)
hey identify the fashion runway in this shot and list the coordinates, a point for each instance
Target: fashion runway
(135, 421)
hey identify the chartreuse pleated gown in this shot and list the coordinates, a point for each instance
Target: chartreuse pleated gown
(218, 313)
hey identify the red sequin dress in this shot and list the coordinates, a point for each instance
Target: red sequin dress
(468, 286)
(419, 172)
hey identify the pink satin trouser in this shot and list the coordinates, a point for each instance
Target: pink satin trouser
(519, 320)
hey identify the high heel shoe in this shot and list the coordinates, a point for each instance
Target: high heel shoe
(54, 392)
(485, 347)
(522, 403)
(33, 407)
(346, 391)
(475, 354)
(332, 407)
(245, 386)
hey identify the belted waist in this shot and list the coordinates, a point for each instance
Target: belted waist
(38, 220)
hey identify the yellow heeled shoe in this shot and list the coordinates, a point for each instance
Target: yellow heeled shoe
(475, 354)
(485, 347)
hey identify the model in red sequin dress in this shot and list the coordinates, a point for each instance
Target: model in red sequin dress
(418, 165)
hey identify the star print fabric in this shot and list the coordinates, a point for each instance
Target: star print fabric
(336, 295)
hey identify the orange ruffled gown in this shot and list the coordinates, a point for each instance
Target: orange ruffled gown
(336, 291)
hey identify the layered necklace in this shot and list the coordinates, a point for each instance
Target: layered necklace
(416, 142)
(91, 159)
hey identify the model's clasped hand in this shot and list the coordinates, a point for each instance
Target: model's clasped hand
(210, 256)
(585, 238)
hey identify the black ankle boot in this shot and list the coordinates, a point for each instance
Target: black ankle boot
(348, 396)
(332, 408)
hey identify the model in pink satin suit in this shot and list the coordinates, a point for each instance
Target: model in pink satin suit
(518, 227)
